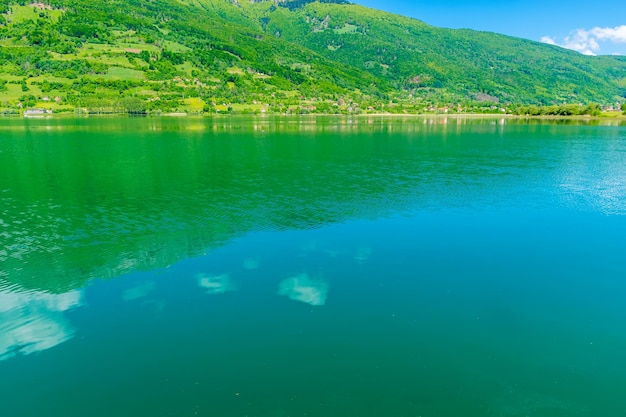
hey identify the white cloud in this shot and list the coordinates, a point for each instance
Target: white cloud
(588, 42)
(304, 289)
(615, 35)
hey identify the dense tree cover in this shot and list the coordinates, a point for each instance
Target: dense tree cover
(294, 55)
(562, 110)
(296, 4)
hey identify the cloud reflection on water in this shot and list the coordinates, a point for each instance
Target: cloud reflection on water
(34, 321)
(251, 263)
(362, 255)
(216, 284)
(304, 289)
(140, 291)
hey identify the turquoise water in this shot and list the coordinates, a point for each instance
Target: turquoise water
(312, 267)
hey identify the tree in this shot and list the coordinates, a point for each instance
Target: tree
(592, 109)
(133, 105)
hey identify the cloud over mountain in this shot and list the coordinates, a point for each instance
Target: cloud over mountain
(590, 42)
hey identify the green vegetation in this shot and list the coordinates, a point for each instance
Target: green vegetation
(296, 56)
(562, 110)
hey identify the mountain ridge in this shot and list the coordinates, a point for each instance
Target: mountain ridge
(276, 56)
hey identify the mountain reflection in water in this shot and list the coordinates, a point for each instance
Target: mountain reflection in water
(94, 199)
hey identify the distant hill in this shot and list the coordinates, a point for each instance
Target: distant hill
(275, 56)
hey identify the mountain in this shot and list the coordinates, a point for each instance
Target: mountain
(275, 56)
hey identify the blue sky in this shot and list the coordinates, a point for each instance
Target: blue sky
(593, 28)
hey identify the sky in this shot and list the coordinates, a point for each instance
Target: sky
(591, 28)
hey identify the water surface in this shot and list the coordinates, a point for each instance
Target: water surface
(312, 267)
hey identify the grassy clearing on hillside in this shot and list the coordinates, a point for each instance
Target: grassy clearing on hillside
(119, 73)
(125, 46)
(50, 78)
(107, 58)
(194, 105)
(18, 14)
(146, 93)
(10, 77)
(12, 93)
(174, 46)
(346, 29)
(235, 70)
(119, 48)
(186, 68)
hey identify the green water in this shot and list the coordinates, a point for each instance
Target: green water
(312, 267)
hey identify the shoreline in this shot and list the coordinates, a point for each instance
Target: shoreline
(178, 115)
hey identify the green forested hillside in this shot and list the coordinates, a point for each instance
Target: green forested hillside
(275, 56)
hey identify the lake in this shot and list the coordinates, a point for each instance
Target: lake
(291, 267)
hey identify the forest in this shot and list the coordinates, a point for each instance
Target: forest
(300, 56)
